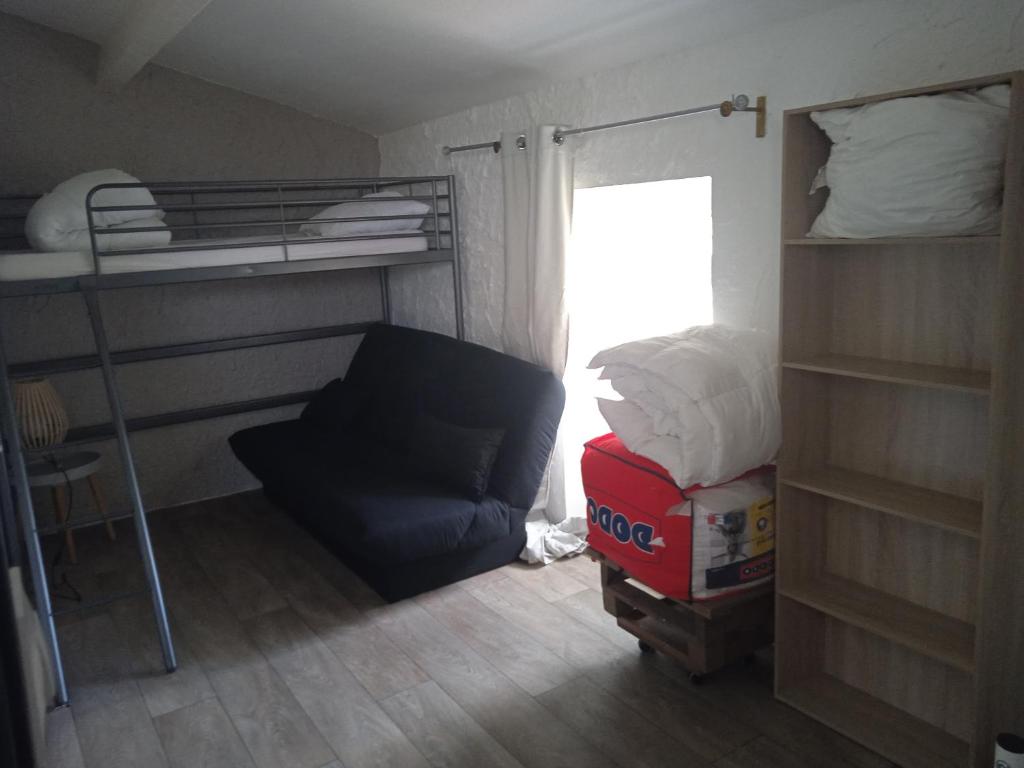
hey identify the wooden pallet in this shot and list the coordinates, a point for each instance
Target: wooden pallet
(702, 636)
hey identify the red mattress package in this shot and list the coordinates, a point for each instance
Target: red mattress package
(693, 544)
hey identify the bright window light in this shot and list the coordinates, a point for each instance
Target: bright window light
(639, 266)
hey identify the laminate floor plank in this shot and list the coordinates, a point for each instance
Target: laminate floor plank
(274, 727)
(321, 673)
(368, 653)
(245, 589)
(615, 729)
(508, 647)
(511, 716)
(62, 748)
(548, 624)
(587, 608)
(376, 661)
(551, 584)
(272, 724)
(201, 736)
(704, 728)
(351, 720)
(583, 569)
(443, 731)
(111, 720)
(762, 752)
(163, 692)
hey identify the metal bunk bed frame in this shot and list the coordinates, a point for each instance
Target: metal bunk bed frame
(443, 248)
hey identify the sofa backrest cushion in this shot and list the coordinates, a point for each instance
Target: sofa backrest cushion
(461, 458)
(402, 372)
(334, 409)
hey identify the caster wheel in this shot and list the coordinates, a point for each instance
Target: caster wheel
(644, 647)
(696, 679)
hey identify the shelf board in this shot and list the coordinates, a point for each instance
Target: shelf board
(937, 241)
(900, 737)
(921, 629)
(891, 371)
(922, 505)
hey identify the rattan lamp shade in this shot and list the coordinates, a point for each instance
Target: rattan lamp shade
(41, 415)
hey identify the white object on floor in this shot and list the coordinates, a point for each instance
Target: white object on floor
(32, 265)
(547, 541)
(57, 219)
(703, 403)
(924, 166)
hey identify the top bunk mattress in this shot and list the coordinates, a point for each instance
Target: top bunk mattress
(39, 265)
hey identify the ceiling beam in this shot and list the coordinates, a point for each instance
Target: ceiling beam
(148, 26)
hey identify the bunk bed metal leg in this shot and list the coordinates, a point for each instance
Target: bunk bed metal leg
(385, 294)
(29, 527)
(138, 509)
(453, 222)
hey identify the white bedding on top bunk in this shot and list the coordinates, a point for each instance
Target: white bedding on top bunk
(38, 265)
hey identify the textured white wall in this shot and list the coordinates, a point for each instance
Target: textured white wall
(856, 49)
(167, 126)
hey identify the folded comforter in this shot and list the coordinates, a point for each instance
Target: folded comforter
(58, 220)
(703, 403)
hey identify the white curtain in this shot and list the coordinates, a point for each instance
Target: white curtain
(538, 188)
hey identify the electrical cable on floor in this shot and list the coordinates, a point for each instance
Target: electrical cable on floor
(64, 581)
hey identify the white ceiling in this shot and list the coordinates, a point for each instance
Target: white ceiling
(380, 65)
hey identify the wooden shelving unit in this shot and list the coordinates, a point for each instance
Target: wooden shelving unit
(942, 510)
(895, 372)
(927, 632)
(875, 241)
(901, 496)
(879, 726)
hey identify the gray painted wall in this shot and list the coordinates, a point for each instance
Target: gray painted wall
(54, 123)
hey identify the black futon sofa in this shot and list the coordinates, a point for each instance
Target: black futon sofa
(418, 468)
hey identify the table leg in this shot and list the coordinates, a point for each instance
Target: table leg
(97, 497)
(60, 506)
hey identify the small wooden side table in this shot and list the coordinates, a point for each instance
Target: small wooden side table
(57, 473)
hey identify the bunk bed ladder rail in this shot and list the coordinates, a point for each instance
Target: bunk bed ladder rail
(128, 463)
(30, 530)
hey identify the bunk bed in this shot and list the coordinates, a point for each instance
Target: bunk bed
(219, 231)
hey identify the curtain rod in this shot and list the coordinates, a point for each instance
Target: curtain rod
(739, 103)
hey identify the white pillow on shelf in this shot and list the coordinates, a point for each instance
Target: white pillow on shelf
(916, 166)
(376, 204)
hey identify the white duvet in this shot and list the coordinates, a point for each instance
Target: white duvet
(58, 221)
(703, 403)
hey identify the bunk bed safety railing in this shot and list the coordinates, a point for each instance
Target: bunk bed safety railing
(212, 209)
(274, 211)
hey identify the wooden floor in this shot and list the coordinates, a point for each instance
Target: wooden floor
(287, 659)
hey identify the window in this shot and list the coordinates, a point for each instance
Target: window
(639, 266)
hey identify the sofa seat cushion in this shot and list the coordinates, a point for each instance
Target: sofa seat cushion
(365, 502)
(407, 520)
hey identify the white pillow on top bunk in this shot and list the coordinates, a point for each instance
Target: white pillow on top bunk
(376, 204)
(916, 166)
(58, 220)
